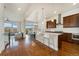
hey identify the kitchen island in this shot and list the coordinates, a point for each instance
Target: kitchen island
(49, 38)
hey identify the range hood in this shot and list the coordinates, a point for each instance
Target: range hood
(59, 25)
(59, 19)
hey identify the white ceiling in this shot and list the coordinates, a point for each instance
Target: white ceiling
(12, 13)
(49, 8)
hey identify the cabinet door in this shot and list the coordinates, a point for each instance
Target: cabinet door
(77, 21)
(51, 43)
(71, 21)
(51, 24)
(67, 21)
(46, 42)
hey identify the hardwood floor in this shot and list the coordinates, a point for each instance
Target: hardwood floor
(69, 49)
(29, 47)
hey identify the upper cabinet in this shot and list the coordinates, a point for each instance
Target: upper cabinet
(71, 21)
(50, 24)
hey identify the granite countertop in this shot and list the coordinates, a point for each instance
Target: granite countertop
(54, 31)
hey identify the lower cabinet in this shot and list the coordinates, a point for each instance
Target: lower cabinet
(66, 37)
(51, 41)
(46, 41)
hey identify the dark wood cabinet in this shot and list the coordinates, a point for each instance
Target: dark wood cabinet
(71, 21)
(59, 42)
(50, 24)
(66, 37)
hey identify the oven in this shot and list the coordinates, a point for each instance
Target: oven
(75, 36)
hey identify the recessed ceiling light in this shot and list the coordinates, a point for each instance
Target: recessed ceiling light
(52, 20)
(74, 3)
(42, 22)
(55, 12)
(19, 9)
(0, 52)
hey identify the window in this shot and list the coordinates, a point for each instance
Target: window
(10, 26)
(14, 25)
(7, 25)
(29, 26)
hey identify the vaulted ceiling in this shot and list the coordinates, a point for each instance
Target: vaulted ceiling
(19, 11)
